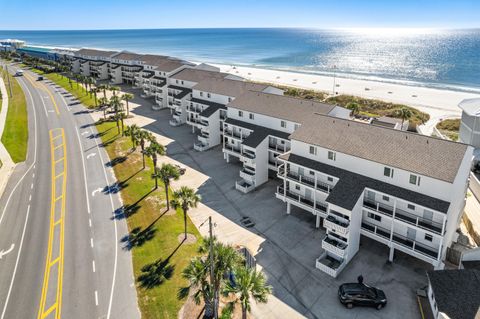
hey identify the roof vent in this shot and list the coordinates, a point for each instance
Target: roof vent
(406, 137)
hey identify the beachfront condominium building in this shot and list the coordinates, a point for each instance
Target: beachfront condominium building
(153, 79)
(207, 110)
(257, 129)
(401, 189)
(90, 62)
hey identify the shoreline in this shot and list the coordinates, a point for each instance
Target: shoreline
(438, 102)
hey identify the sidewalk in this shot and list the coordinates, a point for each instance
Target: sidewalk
(7, 164)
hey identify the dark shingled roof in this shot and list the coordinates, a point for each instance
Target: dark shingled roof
(228, 87)
(93, 52)
(420, 154)
(456, 292)
(259, 132)
(279, 106)
(128, 56)
(196, 75)
(211, 109)
(351, 185)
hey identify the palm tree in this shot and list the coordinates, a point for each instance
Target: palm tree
(166, 173)
(144, 136)
(103, 101)
(127, 97)
(95, 91)
(103, 88)
(185, 198)
(197, 274)
(114, 89)
(116, 117)
(405, 114)
(354, 107)
(153, 150)
(249, 283)
(122, 117)
(133, 131)
(115, 104)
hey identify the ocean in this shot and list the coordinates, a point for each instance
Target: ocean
(448, 59)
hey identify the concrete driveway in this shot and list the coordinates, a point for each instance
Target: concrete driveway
(285, 246)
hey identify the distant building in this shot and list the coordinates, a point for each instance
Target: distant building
(11, 44)
(470, 124)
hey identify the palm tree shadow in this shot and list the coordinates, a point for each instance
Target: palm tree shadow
(128, 210)
(133, 175)
(158, 272)
(117, 160)
(138, 237)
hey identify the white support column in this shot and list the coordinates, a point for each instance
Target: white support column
(227, 157)
(393, 219)
(317, 222)
(390, 255)
(288, 208)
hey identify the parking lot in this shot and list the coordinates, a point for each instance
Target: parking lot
(286, 246)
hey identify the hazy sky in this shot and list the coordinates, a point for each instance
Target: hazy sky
(131, 14)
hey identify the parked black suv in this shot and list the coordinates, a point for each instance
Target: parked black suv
(359, 294)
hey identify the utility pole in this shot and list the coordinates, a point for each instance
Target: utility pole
(212, 276)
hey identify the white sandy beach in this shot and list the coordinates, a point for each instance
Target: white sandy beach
(436, 102)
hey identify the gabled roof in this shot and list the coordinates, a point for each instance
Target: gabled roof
(128, 56)
(163, 63)
(197, 75)
(279, 106)
(94, 52)
(456, 292)
(228, 87)
(420, 154)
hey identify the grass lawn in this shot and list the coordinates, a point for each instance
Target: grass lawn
(154, 237)
(15, 134)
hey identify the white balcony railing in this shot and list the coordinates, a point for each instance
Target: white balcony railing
(244, 186)
(329, 264)
(338, 226)
(335, 246)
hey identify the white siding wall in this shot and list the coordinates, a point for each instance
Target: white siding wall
(261, 120)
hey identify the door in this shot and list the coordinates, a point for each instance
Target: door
(300, 171)
(308, 194)
(428, 216)
(411, 234)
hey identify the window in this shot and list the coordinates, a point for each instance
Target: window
(330, 179)
(297, 187)
(374, 217)
(410, 206)
(283, 124)
(311, 172)
(331, 155)
(208, 95)
(296, 126)
(313, 150)
(428, 237)
(229, 99)
(251, 116)
(176, 81)
(387, 171)
(240, 113)
(386, 198)
(182, 82)
(201, 93)
(414, 179)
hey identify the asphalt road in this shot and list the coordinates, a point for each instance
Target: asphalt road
(61, 254)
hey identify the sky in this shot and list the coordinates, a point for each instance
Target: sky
(150, 14)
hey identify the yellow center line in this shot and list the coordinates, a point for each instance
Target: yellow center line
(43, 87)
(57, 147)
(50, 262)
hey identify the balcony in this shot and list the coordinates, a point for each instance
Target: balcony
(404, 216)
(424, 250)
(194, 109)
(335, 246)
(330, 264)
(248, 158)
(235, 150)
(341, 227)
(175, 122)
(203, 123)
(277, 148)
(233, 134)
(247, 175)
(203, 137)
(244, 186)
(200, 147)
(309, 181)
(306, 203)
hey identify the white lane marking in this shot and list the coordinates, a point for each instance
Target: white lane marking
(90, 222)
(51, 111)
(91, 243)
(85, 133)
(110, 302)
(84, 170)
(33, 176)
(31, 186)
(16, 264)
(30, 198)
(96, 298)
(3, 253)
(91, 155)
(93, 265)
(96, 191)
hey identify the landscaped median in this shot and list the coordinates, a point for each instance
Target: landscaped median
(159, 256)
(15, 133)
